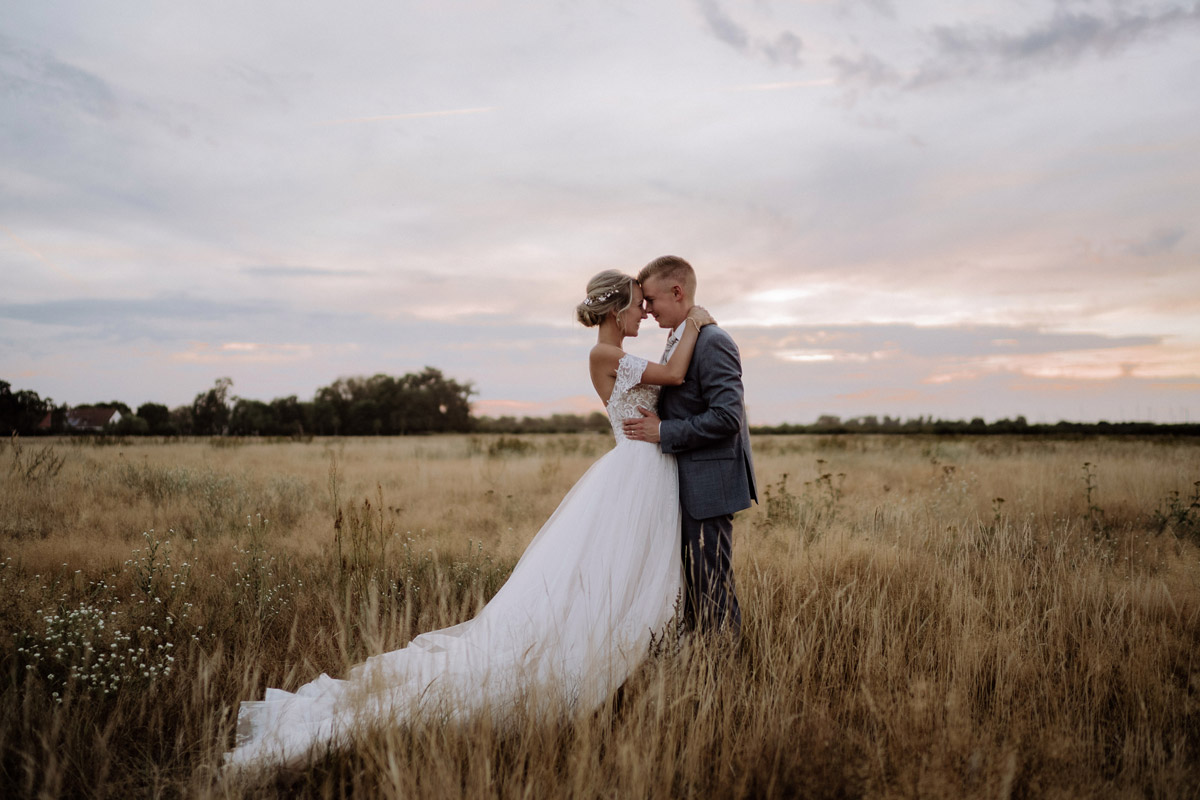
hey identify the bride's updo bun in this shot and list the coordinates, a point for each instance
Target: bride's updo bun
(607, 291)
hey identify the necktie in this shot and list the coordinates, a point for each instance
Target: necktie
(671, 340)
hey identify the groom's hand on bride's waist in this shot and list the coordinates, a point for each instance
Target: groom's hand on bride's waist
(643, 428)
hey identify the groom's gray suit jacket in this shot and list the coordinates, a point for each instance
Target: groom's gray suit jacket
(704, 425)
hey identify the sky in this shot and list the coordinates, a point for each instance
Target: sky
(948, 209)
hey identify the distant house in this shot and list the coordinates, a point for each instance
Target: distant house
(91, 419)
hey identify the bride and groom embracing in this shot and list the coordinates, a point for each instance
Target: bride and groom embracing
(603, 578)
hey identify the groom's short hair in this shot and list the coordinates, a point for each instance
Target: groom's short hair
(674, 269)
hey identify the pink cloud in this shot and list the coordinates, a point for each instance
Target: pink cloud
(242, 353)
(1151, 361)
(576, 404)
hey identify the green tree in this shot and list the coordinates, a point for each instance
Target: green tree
(125, 410)
(424, 402)
(210, 410)
(330, 406)
(131, 425)
(158, 418)
(21, 411)
(294, 418)
(253, 418)
(181, 420)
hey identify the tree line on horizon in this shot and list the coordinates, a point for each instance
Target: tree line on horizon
(381, 405)
(429, 402)
(831, 424)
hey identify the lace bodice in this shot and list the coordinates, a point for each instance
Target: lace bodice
(628, 393)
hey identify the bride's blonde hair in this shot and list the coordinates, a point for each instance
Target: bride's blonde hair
(610, 290)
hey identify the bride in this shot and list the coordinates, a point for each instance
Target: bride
(579, 610)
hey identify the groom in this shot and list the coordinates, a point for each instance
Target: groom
(704, 424)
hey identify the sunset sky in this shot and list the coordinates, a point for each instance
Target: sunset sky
(954, 209)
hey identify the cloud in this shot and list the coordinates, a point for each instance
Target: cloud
(968, 50)
(265, 87)
(39, 256)
(246, 325)
(411, 115)
(1159, 242)
(864, 343)
(884, 8)
(865, 69)
(1157, 362)
(1064, 205)
(782, 49)
(785, 49)
(574, 404)
(124, 312)
(297, 271)
(243, 353)
(38, 74)
(722, 26)
(171, 346)
(776, 86)
(961, 371)
(170, 319)
(1061, 40)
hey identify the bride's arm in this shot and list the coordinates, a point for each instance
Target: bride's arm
(672, 373)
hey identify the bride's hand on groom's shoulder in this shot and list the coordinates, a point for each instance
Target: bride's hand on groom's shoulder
(701, 316)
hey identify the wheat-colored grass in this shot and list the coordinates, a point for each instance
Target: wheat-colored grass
(925, 617)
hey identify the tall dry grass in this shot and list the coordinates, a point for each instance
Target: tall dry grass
(924, 618)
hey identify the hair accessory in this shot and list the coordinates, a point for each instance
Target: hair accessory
(591, 301)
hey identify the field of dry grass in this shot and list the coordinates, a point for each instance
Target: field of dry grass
(990, 617)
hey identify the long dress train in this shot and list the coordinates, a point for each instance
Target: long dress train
(571, 623)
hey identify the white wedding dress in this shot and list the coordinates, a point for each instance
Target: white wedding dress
(573, 621)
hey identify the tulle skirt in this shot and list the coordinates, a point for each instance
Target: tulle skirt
(571, 623)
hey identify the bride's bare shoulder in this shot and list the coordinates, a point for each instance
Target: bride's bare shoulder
(606, 355)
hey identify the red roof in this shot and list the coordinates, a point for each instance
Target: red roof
(91, 418)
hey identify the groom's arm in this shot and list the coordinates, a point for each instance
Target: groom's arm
(721, 388)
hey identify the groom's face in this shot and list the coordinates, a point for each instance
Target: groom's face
(664, 302)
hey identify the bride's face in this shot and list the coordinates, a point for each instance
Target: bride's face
(631, 318)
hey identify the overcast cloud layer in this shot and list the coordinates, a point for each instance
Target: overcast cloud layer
(921, 208)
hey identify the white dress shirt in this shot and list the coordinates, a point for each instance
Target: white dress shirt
(673, 341)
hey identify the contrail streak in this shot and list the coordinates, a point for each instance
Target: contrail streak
(414, 115)
(771, 87)
(28, 248)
